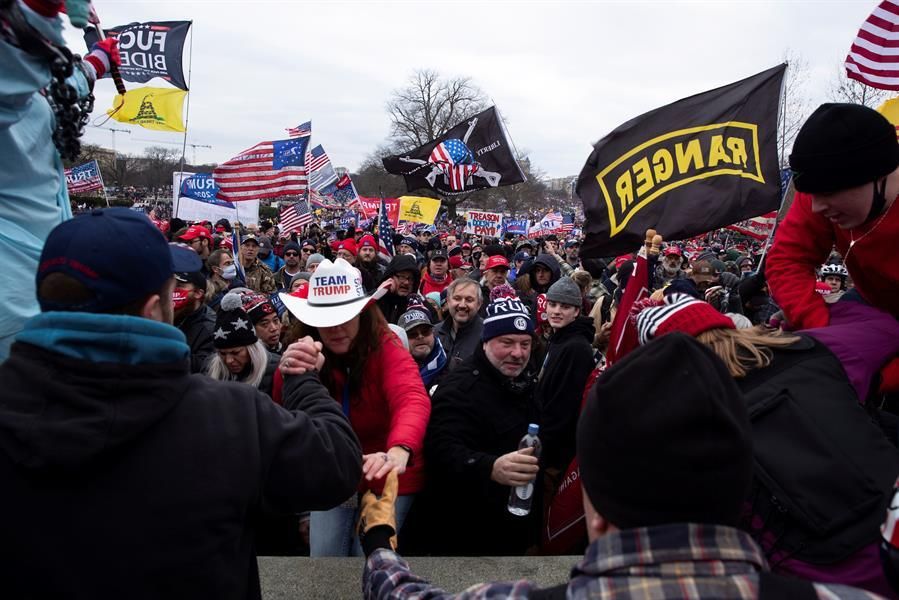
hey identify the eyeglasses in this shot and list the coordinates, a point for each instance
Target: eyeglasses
(419, 332)
(307, 250)
(291, 253)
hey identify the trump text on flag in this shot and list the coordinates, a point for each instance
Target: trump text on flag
(677, 158)
(484, 223)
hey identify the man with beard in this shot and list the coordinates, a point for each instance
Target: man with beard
(191, 315)
(424, 346)
(259, 277)
(572, 253)
(291, 266)
(437, 277)
(669, 267)
(479, 414)
(460, 331)
(368, 263)
(401, 280)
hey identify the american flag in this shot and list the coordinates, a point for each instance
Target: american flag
(346, 191)
(84, 178)
(455, 160)
(874, 56)
(568, 222)
(385, 232)
(267, 170)
(301, 130)
(295, 216)
(321, 173)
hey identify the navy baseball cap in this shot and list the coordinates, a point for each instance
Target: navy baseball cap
(103, 249)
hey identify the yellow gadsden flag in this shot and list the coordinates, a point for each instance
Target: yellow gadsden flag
(419, 209)
(890, 109)
(150, 107)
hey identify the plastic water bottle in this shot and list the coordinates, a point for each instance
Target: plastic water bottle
(521, 495)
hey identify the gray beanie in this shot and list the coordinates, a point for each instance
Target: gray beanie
(565, 291)
(314, 259)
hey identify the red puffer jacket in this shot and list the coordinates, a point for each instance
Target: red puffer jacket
(392, 409)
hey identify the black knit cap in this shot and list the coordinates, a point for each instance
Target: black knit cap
(842, 146)
(665, 438)
(233, 326)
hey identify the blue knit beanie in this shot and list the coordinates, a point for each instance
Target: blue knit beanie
(505, 316)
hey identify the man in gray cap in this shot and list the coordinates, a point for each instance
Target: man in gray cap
(424, 346)
(259, 277)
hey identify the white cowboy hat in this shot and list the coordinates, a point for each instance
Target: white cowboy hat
(335, 295)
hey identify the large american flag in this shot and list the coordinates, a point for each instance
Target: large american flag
(267, 170)
(385, 232)
(455, 160)
(301, 130)
(295, 216)
(874, 56)
(321, 173)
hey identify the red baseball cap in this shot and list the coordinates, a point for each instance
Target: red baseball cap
(195, 231)
(367, 240)
(497, 260)
(672, 251)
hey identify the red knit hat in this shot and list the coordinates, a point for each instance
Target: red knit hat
(348, 244)
(680, 313)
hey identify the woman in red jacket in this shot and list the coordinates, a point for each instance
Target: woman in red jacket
(367, 369)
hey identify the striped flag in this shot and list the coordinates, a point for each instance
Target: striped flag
(295, 216)
(301, 130)
(84, 178)
(385, 232)
(267, 170)
(874, 56)
(568, 222)
(321, 173)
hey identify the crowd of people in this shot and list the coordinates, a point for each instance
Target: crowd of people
(180, 398)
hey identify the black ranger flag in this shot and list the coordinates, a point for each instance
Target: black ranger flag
(698, 164)
(148, 50)
(473, 155)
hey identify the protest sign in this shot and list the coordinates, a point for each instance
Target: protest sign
(484, 223)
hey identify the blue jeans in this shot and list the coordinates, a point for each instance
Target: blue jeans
(332, 532)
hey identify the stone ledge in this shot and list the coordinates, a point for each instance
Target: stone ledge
(300, 578)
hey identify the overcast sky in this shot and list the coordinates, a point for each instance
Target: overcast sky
(563, 74)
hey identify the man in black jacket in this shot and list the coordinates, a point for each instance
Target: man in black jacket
(479, 413)
(124, 475)
(404, 278)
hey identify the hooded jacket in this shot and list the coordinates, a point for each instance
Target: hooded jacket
(568, 363)
(478, 415)
(527, 269)
(133, 478)
(394, 305)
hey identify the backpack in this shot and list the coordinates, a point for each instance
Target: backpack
(823, 469)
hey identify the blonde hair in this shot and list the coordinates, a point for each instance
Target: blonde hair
(743, 350)
(217, 369)
(583, 279)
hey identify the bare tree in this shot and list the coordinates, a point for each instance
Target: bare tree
(429, 106)
(844, 89)
(795, 106)
(158, 164)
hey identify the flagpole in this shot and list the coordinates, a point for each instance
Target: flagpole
(190, 66)
(502, 124)
(100, 174)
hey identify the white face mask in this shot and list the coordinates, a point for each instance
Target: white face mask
(229, 272)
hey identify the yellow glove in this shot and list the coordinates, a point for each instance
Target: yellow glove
(376, 511)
